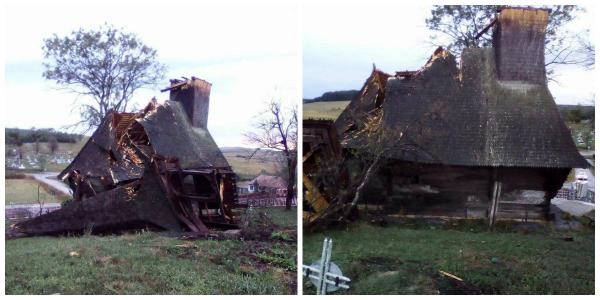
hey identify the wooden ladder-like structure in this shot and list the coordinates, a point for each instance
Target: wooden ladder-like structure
(198, 196)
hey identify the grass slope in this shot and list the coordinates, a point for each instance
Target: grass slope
(282, 217)
(149, 263)
(142, 264)
(263, 161)
(249, 169)
(401, 260)
(25, 191)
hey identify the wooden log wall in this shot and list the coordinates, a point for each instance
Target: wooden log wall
(457, 191)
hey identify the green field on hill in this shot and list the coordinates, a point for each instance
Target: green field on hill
(323, 110)
(25, 191)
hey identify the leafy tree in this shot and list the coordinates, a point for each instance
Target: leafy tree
(460, 24)
(41, 134)
(15, 139)
(107, 65)
(575, 115)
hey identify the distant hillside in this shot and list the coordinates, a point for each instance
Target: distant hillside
(329, 110)
(576, 113)
(245, 167)
(13, 136)
(334, 96)
(260, 154)
(247, 164)
(579, 118)
(570, 113)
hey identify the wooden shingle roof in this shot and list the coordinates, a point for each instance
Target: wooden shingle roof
(468, 117)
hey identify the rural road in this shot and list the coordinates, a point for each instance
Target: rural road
(587, 153)
(591, 184)
(18, 211)
(573, 207)
(50, 179)
(591, 180)
(35, 207)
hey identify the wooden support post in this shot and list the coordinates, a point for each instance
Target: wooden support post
(497, 190)
(498, 197)
(491, 210)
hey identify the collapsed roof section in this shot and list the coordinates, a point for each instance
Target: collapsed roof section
(152, 167)
(495, 110)
(369, 99)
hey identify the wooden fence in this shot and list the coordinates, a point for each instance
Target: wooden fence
(263, 200)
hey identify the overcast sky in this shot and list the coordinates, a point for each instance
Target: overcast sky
(250, 53)
(341, 42)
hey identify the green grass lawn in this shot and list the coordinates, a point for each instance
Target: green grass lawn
(402, 260)
(151, 263)
(323, 110)
(282, 217)
(25, 191)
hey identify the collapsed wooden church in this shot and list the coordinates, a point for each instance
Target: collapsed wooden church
(158, 168)
(482, 140)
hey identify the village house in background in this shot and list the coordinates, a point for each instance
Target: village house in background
(263, 191)
(481, 140)
(263, 184)
(158, 167)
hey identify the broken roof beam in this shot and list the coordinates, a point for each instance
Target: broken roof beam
(406, 74)
(485, 29)
(173, 86)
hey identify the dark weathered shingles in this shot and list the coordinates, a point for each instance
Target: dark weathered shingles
(171, 134)
(476, 120)
(94, 157)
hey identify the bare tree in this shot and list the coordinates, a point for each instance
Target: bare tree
(37, 146)
(52, 144)
(377, 142)
(587, 49)
(277, 129)
(106, 65)
(36, 136)
(40, 201)
(20, 153)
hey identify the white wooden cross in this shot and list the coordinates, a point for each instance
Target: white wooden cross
(325, 274)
